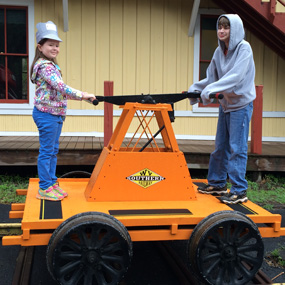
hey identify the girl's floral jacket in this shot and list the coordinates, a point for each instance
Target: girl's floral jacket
(51, 92)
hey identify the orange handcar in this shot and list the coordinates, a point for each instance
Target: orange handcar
(142, 192)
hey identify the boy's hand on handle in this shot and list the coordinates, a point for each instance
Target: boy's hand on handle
(88, 97)
(216, 95)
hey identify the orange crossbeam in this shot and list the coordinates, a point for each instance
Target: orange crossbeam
(21, 192)
(16, 214)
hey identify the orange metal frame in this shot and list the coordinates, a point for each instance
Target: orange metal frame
(149, 189)
(118, 165)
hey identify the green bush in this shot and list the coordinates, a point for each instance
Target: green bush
(8, 186)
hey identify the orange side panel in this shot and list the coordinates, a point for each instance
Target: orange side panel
(140, 176)
(97, 170)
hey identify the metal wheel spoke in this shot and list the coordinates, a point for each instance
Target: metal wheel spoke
(88, 278)
(211, 246)
(109, 269)
(83, 237)
(69, 267)
(232, 272)
(220, 276)
(94, 236)
(248, 248)
(250, 259)
(113, 258)
(72, 245)
(210, 256)
(243, 270)
(212, 267)
(244, 239)
(105, 239)
(227, 233)
(100, 278)
(70, 255)
(76, 276)
(216, 236)
(110, 248)
(237, 231)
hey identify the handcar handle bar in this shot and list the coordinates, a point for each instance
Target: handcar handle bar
(152, 98)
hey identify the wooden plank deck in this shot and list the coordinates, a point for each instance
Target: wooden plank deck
(23, 150)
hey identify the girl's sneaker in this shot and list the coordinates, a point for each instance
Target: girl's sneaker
(49, 194)
(59, 190)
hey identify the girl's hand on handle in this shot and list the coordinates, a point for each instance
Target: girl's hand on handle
(88, 97)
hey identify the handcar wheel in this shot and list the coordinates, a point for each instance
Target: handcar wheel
(76, 174)
(89, 248)
(226, 248)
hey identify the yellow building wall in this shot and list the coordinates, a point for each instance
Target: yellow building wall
(144, 47)
(270, 72)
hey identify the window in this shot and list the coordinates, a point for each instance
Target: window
(14, 56)
(208, 44)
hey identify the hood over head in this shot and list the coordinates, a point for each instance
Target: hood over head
(236, 31)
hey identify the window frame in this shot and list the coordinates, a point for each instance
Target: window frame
(208, 61)
(7, 54)
(23, 108)
(197, 108)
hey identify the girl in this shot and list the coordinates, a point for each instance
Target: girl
(50, 105)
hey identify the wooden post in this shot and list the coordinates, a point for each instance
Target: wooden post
(108, 112)
(256, 122)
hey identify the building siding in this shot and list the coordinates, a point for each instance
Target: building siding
(144, 47)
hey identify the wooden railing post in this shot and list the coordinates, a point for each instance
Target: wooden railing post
(108, 112)
(272, 10)
(256, 122)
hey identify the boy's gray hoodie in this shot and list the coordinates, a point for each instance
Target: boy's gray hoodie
(232, 74)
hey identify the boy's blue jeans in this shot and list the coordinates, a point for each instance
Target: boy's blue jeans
(230, 154)
(49, 127)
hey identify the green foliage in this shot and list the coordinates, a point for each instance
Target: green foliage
(276, 256)
(269, 193)
(8, 186)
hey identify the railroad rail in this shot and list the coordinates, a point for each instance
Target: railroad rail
(183, 274)
(10, 229)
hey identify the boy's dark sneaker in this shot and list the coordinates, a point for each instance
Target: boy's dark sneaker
(208, 189)
(231, 198)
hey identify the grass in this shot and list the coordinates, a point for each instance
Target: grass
(276, 257)
(8, 186)
(269, 193)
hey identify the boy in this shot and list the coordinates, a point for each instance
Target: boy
(231, 72)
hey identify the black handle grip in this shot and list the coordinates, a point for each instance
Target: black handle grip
(95, 102)
(216, 96)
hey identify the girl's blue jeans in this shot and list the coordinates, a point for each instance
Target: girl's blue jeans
(230, 154)
(49, 127)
